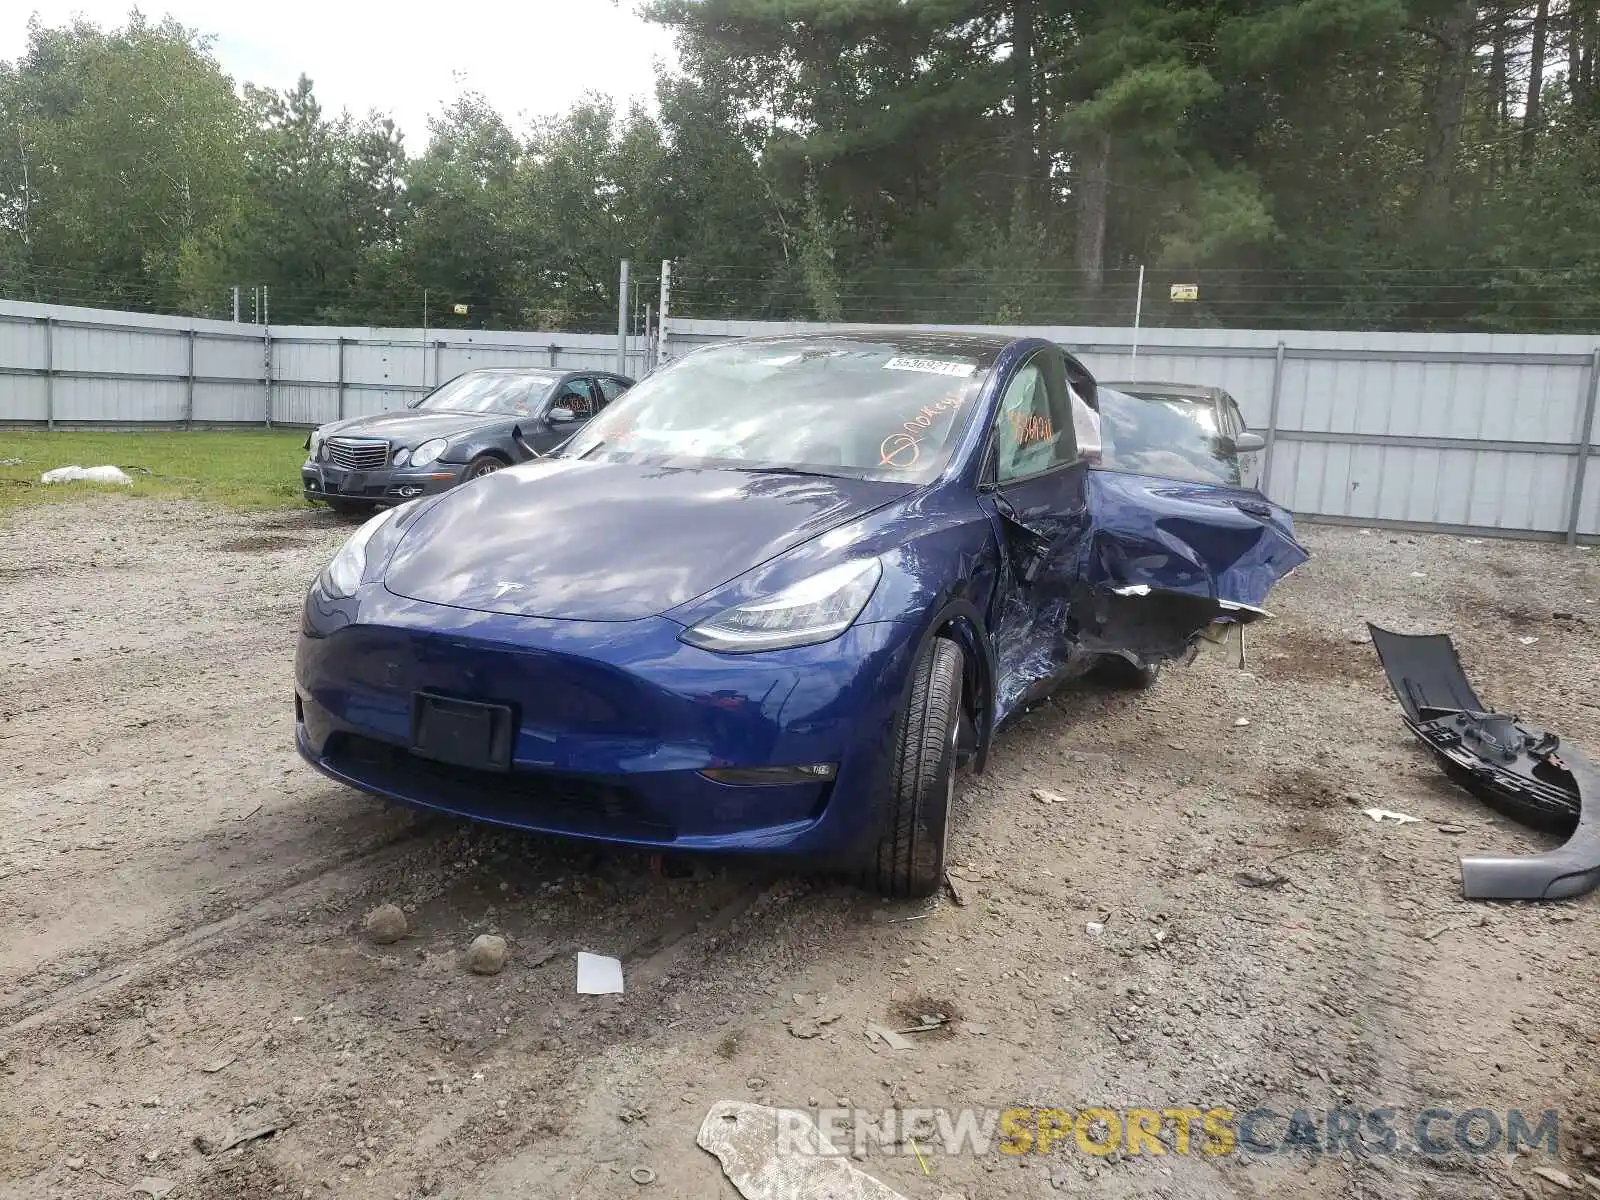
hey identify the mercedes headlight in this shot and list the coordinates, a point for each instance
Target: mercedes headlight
(402, 456)
(342, 576)
(314, 446)
(427, 452)
(816, 609)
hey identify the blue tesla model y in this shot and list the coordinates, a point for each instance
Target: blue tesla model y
(771, 598)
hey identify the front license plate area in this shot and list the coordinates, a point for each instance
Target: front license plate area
(464, 733)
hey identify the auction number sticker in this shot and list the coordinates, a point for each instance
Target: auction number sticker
(931, 366)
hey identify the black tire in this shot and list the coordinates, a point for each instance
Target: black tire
(484, 464)
(351, 508)
(1117, 671)
(909, 860)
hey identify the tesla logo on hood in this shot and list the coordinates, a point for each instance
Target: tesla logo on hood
(502, 587)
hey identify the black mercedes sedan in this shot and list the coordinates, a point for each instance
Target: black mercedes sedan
(470, 426)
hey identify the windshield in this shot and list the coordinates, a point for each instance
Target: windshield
(516, 395)
(1172, 436)
(830, 405)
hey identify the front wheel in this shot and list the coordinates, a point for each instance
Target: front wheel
(484, 464)
(909, 860)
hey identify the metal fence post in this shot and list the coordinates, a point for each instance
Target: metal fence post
(266, 352)
(341, 377)
(49, 373)
(438, 360)
(661, 315)
(188, 398)
(1272, 420)
(1585, 444)
(554, 351)
(622, 321)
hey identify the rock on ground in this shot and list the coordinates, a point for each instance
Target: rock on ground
(487, 955)
(385, 924)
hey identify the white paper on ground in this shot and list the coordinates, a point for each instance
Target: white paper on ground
(598, 975)
(75, 473)
(1385, 814)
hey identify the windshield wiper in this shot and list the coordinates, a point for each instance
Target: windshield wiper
(783, 471)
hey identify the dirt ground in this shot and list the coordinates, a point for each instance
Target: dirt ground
(180, 907)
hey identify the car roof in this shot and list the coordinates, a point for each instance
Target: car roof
(1196, 391)
(546, 372)
(984, 347)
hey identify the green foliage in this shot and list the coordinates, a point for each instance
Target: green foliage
(1218, 214)
(1338, 162)
(119, 159)
(322, 196)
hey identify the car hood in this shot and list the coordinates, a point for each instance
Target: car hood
(412, 427)
(598, 541)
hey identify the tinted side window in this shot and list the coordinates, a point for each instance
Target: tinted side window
(611, 388)
(1033, 430)
(575, 394)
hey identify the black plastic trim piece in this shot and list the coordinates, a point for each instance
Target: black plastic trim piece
(1518, 770)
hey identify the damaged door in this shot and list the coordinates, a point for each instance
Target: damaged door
(1099, 563)
(1034, 492)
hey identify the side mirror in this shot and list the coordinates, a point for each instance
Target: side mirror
(562, 416)
(1244, 443)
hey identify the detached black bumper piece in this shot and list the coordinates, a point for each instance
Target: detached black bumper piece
(1518, 770)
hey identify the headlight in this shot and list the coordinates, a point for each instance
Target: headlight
(342, 576)
(427, 452)
(814, 610)
(401, 456)
(314, 446)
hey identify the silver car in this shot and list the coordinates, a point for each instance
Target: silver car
(1181, 430)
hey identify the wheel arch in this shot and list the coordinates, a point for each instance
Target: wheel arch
(489, 450)
(961, 621)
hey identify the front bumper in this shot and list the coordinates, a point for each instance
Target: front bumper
(387, 485)
(613, 724)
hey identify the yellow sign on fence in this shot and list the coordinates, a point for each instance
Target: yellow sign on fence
(461, 310)
(1186, 291)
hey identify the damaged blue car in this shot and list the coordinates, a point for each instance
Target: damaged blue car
(770, 599)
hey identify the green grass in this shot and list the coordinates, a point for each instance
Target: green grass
(244, 469)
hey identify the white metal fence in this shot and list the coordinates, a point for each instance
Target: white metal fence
(64, 366)
(1483, 433)
(1480, 433)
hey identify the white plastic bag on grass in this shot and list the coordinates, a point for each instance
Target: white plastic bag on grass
(76, 474)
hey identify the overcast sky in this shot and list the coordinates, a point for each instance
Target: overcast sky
(530, 58)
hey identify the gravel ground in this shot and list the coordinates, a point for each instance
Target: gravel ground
(1204, 919)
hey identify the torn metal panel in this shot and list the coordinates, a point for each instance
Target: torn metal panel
(1152, 624)
(1518, 770)
(1138, 567)
(1225, 543)
(1036, 651)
